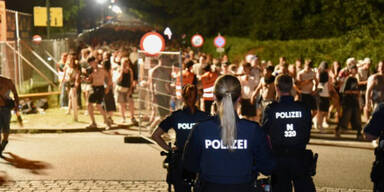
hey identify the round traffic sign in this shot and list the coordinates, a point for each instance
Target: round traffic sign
(36, 39)
(152, 43)
(219, 41)
(197, 40)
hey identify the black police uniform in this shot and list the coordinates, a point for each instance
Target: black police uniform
(288, 123)
(182, 122)
(223, 170)
(375, 128)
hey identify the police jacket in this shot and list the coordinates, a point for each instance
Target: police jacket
(182, 122)
(206, 154)
(288, 124)
(375, 124)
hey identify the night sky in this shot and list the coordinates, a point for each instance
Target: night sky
(23, 5)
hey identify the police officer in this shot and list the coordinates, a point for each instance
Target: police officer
(288, 125)
(182, 122)
(372, 131)
(224, 148)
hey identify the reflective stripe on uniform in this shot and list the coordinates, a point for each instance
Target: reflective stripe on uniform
(209, 89)
(208, 95)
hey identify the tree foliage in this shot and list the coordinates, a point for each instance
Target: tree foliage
(264, 19)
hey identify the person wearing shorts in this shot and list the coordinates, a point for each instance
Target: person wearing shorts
(96, 95)
(248, 85)
(6, 105)
(306, 80)
(325, 89)
(124, 89)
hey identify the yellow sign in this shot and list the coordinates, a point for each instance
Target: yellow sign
(3, 22)
(40, 16)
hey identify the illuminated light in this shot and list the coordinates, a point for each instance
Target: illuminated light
(116, 9)
(101, 1)
(152, 43)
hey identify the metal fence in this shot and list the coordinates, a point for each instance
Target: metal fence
(32, 66)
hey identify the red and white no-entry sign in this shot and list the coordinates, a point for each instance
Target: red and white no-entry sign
(219, 41)
(36, 39)
(152, 43)
(197, 40)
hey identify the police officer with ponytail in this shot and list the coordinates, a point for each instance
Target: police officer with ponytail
(224, 149)
(182, 122)
(288, 124)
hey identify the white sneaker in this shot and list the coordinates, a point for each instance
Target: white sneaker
(325, 124)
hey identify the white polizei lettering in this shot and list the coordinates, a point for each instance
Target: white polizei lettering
(185, 125)
(216, 144)
(288, 115)
(208, 143)
(219, 144)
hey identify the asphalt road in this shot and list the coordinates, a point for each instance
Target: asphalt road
(98, 156)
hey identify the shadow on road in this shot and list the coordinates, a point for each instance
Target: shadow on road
(3, 178)
(35, 167)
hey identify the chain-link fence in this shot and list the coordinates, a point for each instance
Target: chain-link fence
(158, 83)
(32, 66)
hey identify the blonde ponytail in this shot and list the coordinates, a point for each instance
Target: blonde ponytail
(227, 91)
(227, 120)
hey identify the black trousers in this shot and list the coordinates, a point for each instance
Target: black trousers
(177, 175)
(351, 113)
(215, 187)
(292, 172)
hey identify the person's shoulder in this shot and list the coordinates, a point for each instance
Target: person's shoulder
(199, 112)
(249, 123)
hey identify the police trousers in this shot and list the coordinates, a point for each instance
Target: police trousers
(216, 187)
(292, 170)
(177, 175)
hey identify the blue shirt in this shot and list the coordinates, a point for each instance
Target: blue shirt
(182, 122)
(205, 153)
(376, 124)
(288, 123)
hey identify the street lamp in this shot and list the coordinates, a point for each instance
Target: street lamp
(116, 9)
(101, 1)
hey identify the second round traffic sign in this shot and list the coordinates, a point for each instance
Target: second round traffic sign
(197, 40)
(219, 41)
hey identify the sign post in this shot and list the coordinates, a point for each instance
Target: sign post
(219, 42)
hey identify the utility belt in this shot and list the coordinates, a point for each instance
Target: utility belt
(310, 159)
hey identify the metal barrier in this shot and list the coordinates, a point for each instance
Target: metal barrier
(30, 65)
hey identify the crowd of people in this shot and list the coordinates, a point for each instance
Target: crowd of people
(110, 73)
(103, 75)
